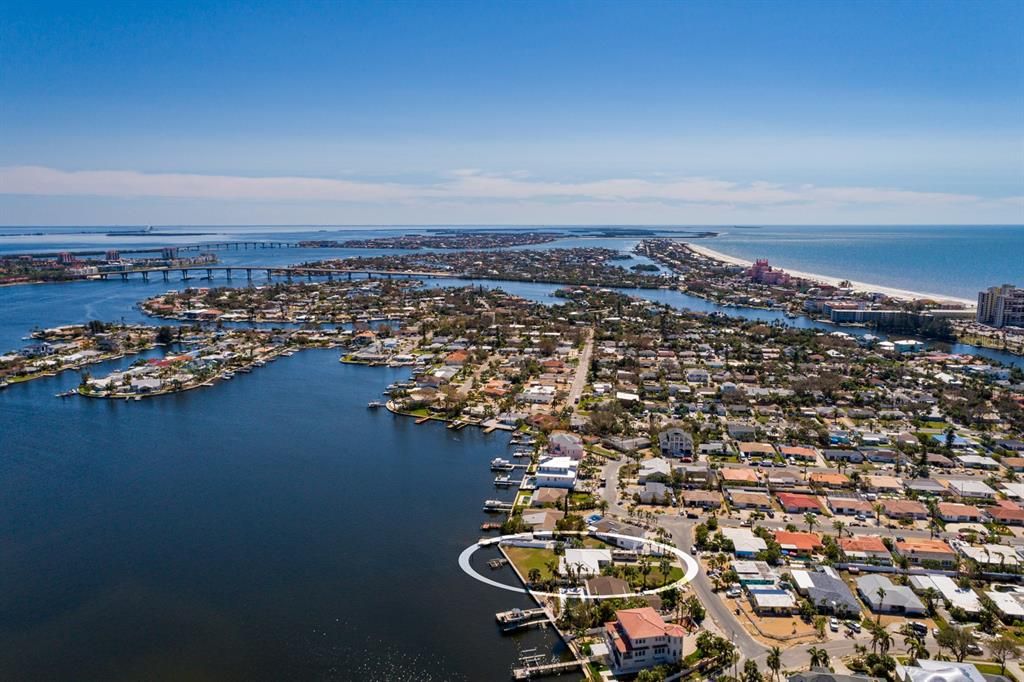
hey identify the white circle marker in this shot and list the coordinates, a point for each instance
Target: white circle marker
(692, 567)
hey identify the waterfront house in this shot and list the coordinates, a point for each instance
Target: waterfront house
(564, 444)
(543, 519)
(556, 472)
(554, 497)
(607, 586)
(639, 639)
(633, 539)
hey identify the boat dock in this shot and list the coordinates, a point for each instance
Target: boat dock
(515, 619)
(531, 670)
(497, 506)
(422, 419)
(490, 525)
(506, 482)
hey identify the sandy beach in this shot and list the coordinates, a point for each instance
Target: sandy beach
(902, 294)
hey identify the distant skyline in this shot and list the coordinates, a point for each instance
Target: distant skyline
(511, 113)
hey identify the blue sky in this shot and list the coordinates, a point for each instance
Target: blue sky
(818, 112)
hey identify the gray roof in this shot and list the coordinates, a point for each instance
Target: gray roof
(828, 589)
(897, 597)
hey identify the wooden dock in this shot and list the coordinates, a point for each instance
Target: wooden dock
(544, 669)
(422, 419)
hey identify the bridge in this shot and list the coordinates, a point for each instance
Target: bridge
(269, 272)
(205, 246)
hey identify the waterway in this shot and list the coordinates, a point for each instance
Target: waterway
(270, 527)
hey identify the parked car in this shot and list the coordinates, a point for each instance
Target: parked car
(974, 650)
(919, 628)
(833, 624)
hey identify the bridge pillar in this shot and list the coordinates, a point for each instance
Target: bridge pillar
(166, 275)
(309, 275)
(330, 276)
(145, 276)
(350, 276)
(124, 276)
(229, 273)
(184, 275)
(288, 274)
(270, 275)
(209, 273)
(248, 273)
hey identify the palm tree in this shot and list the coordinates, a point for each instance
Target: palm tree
(533, 575)
(838, 526)
(819, 657)
(881, 600)
(811, 521)
(774, 661)
(917, 649)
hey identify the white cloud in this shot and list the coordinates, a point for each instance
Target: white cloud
(465, 186)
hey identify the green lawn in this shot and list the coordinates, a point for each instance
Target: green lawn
(993, 669)
(526, 558)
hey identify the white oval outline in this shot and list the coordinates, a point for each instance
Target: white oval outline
(692, 567)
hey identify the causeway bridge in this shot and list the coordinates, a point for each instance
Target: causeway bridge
(288, 273)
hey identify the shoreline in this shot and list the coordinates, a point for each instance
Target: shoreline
(892, 292)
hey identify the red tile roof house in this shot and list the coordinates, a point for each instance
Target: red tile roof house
(640, 639)
(801, 453)
(904, 509)
(796, 503)
(866, 549)
(1007, 513)
(954, 512)
(925, 550)
(803, 544)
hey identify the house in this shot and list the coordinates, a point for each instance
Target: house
(627, 444)
(656, 493)
(798, 503)
(928, 670)
(639, 639)
(954, 512)
(991, 557)
(705, 499)
(738, 476)
(749, 500)
(1007, 513)
(1010, 605)
(883, 483)
(676, 442)
(841, 455)
(867, 549)
(742, 432)
(633, 537)
(556, 472)
(926, 486)
(607, 586)
(755, 573)
(563, 444)
(904, 509)
(828, 479)
(745, 543)
(656, 467)
(849, 506)
(543, 519)
(759, 450)
(977, 462)
(584, 561)
(549, 496)
(802, 544)
(801, 454)
(971, 489)
(958, 597)
(926, 551)
(882, 596)
(772, 601)
(826, 591)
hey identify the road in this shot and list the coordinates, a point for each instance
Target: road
(579, 381)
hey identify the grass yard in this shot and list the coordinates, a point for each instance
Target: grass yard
(526, 558)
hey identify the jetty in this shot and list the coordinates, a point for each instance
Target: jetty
(490, 525)
(497, 506)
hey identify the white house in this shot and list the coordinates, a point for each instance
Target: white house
(556, 472)
(675, 442)
(584, 562)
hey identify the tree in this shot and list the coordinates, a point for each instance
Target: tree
(1004, 648)
(533, 575)
(751, 673)
(881, 600)
(651, 675)
(819, 657)
(819, 626)
(774, 661)
(811, 519)
(838, 526)
(957, 639)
